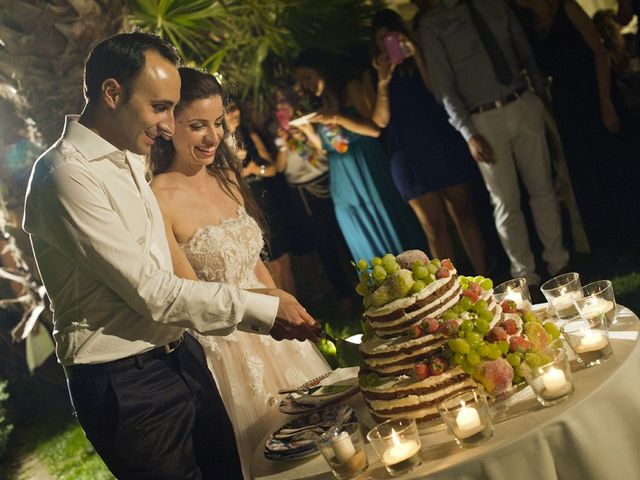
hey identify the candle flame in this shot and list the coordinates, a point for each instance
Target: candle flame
(563, 291)
(394, 437)
(462, 404)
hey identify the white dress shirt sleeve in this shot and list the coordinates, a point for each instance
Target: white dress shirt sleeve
(70, 210)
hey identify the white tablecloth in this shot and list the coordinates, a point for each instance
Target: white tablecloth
(593, 435)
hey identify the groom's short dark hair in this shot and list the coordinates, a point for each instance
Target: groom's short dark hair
(122, 58)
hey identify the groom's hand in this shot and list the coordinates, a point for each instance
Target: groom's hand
(292, 320)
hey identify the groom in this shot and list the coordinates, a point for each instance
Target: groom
(139, 385)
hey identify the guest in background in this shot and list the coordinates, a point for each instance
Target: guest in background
(306, 167)
(432, 166)
(370, 213)
(269, 190)
(590, 114)
(476, 72)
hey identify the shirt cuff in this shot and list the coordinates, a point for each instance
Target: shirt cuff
(259, 313)
(467, 132)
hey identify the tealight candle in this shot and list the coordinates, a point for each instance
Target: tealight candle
(555, 383)
(468, 422)
(343, 447)
(594, 307)
(516, 297)
(591, 341)
(400, 450)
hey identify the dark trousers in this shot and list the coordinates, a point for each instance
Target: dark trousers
(161, 418)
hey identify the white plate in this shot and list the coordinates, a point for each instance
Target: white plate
(347, 377)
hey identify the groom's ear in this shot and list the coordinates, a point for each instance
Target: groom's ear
(112, 93)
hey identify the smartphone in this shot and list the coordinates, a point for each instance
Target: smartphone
(283, 117)
(394, 49)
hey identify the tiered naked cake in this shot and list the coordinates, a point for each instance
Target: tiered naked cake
(430, 334)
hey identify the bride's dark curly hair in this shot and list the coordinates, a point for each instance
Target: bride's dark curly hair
(197, 85)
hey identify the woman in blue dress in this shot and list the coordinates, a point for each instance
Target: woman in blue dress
(432, 166)
(372, 217)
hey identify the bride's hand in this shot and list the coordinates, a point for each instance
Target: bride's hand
(292, 320)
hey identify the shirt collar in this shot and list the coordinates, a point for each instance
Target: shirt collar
(91, 145)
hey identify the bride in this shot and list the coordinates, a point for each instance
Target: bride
(213, 227)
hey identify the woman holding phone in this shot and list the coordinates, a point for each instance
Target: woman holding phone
(432, 166)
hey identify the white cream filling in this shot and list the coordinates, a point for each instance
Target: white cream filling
(382, 361)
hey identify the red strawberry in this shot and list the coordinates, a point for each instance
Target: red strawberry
(442, 273)
(438, 365)
(422, 370)
(509, 306)
(450, 327)
(474, 296)
(446, 263)
(510, 326)
(475, 287)
(519, 344)
(497, 334)
(431, 325)
(416, 331)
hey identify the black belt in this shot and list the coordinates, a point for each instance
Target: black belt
(501, 102)
(91, 370)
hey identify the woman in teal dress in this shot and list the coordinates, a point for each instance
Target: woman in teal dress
(373, 218)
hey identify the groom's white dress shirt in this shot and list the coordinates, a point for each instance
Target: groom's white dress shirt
(99, 242)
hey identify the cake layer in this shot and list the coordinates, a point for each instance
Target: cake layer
(404, 364)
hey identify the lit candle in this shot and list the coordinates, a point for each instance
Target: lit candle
(516, 297)
(594, 307)
(591, 341)
(400, 450)
(563, 300)
(468, 422)
(555, 382)
(343, 447)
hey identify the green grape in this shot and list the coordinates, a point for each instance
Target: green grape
(457, 308)
(466, 326)
(449, 315)
(432, 269)
(376, 261)
(467, 367)
(529, 316)
(484, 350)
(435, 262)
(482, 326)
(552, 329)
(544, 358)
(518, 370)
(363, 264)
(503, 345)
(465, 304)
(379, 273)
(474, 338)
(532, 359)
(486, 284)
(420, 272)
(514, 359)
(486, 315)
(480, 306)
(517, 379)
(469, 278)
(478, 279)
(417, 286)
(557, 343)
(458, 358)
(459, 345)
(363, 276)
(391, 267)
(473, 358)
(362, 289)
(461, 334)
(388, 258)
(429, 279)
(464, 283)
(494, 351)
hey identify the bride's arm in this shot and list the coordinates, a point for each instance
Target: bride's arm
(263, 275)
(181, 266)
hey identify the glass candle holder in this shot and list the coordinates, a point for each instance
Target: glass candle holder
(343, 449)
(560, 292)
(467, 417)
(597, 299)
(398, 444)
(515, 290)
(552, 381)
(589, 339)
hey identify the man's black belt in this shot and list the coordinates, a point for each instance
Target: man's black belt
(91, 370)
(501, 102)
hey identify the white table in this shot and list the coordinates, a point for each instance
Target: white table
(593, 435)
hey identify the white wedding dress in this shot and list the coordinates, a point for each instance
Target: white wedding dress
(249, 369)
